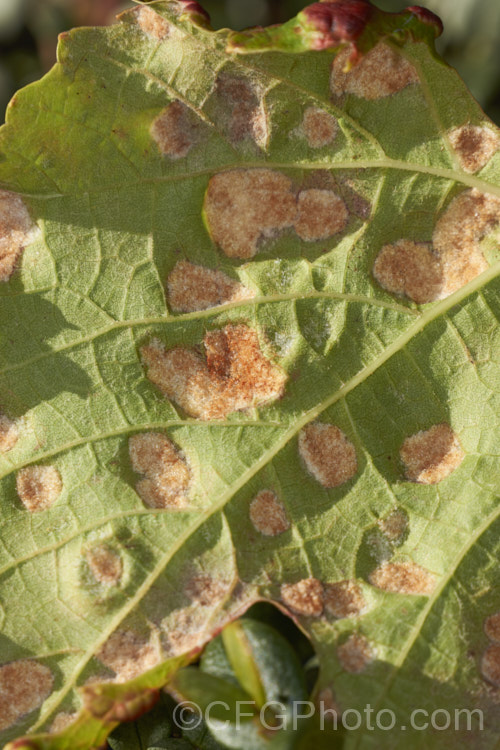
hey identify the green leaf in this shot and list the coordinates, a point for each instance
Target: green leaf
(242, 660)
(252, 652)
(249, 341)
(254, 656)
(209, 693)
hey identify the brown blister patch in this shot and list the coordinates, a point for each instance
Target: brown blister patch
(490, 664)
(381, 72)
(235, 376)
(152, 23)
(268, 514)
(175, 130)
(9, 434)
(192, 288)
(189, 628)
(61, 721)
(394, 526)
(128, 654)
(344, 599)
(182, 375)
(474, 146)
(457, 234)
(167, 477)
(426, 274)
(431, 455)
(16, 231)
(24, 685)
(322, 214)
(410, 269)
(328, 455)
(403, 578)
(244, 205)
(206, 590)
(304, 597)
(186, 631)
(492, 627)
(247, 117)
(105, 564)
(319, 127)
(38, 487)
(355, 654)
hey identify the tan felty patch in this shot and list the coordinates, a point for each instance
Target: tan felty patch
(355, 654)
(490, 664)
(129, 654)
(159, 493)
(319, 127)
(382, 72)
(394, 526)
(24, 686)
(38, 487)
(474, 146)
(106, 564)
(431, 455)
(192, 288)
(304, 597)
(16, 231)
(426, 273)
(152, 23)
(268, 514)
(176, 130)
(247, 117)
(328, 455)
(322, 214)
(244, 206)
(492, 627)
(457, 234)
(344, 599)
(9, 434)
(403, 578)
(205, 590)
(186, 629)
(410, 269)
(235, 375)
(167, 476)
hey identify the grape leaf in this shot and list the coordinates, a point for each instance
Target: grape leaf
(249, 330)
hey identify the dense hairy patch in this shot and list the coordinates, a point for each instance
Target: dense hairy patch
(234, 376)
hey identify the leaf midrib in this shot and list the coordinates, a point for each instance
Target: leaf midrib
(469, 180)
(212, 311)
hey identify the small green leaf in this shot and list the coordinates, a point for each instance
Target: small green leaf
(241, 658)
(212, 697)
(255, 656)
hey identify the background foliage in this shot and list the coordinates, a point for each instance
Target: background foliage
(29, 28)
